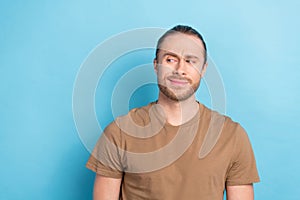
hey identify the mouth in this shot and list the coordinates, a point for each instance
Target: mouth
(178, 81)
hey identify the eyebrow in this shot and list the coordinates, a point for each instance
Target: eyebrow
(168, 53)
(191, 56)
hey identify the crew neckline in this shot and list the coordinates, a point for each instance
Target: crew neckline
(154, 105)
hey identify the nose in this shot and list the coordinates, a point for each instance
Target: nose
(180, 67)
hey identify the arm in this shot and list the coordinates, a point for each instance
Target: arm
(240, 192)
(106, 188)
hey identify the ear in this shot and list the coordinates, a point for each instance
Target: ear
(155, 65)
(202, 73)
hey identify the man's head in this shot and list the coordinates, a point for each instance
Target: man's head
(180, 62)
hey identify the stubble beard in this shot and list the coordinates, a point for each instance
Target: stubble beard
(178, 93)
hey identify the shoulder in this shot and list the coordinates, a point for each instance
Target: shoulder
(138, 116)
(222, 133)
(219, 130)
(228, 127)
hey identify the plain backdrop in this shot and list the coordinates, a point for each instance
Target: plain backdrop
(254, 44)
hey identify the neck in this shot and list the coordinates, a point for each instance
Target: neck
(178, 112)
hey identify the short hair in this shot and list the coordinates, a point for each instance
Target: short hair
(185, 30)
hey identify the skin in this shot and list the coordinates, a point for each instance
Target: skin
(179, 66)
(240, 192)
(106, 188)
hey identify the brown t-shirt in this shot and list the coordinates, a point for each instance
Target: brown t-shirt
(159, 161)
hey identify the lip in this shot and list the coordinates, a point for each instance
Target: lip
(178, 81)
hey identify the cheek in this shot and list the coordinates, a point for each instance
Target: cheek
(194, 72)
(197, 78)
(163, 70)
(160, 73)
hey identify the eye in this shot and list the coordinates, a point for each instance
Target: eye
(171, 60)
(190, 61)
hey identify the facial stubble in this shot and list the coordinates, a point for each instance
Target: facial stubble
(178, 93)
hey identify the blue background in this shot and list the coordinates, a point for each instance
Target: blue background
(255, 45)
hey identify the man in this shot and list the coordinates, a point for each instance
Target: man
(174, 148)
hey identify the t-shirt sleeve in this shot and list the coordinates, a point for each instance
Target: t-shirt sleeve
(243, 165)
(105, 158)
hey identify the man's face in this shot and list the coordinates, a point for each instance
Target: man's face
(180, 66)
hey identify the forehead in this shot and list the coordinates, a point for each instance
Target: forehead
(183, 44)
